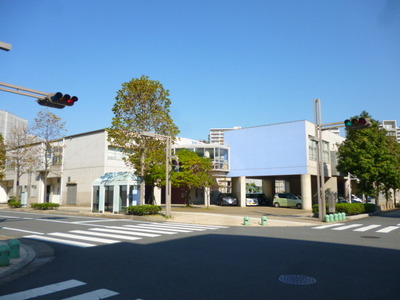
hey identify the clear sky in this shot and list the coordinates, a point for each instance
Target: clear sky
(226, 62)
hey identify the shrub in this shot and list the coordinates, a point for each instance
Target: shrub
(350, 208)
(14, 203)
(45, 206)
(141, 210)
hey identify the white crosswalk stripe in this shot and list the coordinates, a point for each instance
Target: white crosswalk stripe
(360, 227)
(59, 287)
(100, 235)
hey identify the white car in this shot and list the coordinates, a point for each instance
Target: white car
(355, 199)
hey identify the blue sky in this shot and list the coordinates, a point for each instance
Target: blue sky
(226, 62)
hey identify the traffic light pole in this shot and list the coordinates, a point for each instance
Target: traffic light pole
(15, 89)
(319, 127)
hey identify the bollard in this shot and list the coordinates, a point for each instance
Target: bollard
(246, 220)
(4, 256)
(343, 216)
(14, 246)
(264, 220)
(335, 217)
(327, 219)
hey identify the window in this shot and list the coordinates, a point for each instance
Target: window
(312, 149)
(325, 152)
(56, 155)
(115, 153)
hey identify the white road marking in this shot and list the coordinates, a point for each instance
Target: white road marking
(163, 227)
(86, 238)
(366, 228)
(328, 226)
(98, 294)
(21, 230)
(59, 241)
(102, 234)
(347, 227)
(388, 229)
(45, 290)
(124, 232)
(139, 228)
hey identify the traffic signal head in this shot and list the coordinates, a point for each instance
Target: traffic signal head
(60, 99)
(360, 123)
(47, 102)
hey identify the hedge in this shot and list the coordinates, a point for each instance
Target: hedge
(350, 208)
(45, 206)
(141, 210)
(14, 204)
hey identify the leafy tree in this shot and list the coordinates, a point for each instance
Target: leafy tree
(48, 127)
(367, 155)
(2, 157)
(195, 172)
(20, 151)
(142, 106)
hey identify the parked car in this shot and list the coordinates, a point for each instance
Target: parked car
(226, 199)
(261, 199)
(287, 200)
(252, 199)
(355, 199)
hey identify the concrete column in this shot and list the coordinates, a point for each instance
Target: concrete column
(157, 195)
(239, 189)
(306, 191)
(207, 197)
(268, 188)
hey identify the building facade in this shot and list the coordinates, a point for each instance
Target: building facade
(9, 121)
(285, 155)
(392, 129)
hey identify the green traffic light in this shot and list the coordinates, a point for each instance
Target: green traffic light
(348, 123)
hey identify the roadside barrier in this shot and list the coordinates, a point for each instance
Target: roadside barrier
(9, 251)
(335, 217)
(264, 220)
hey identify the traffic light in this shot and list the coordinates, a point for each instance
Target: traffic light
(176, 165)
(49, 103)
(360, 123)
(58, 100)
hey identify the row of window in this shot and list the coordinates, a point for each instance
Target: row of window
(313, 151)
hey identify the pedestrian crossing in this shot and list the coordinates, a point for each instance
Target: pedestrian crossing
(105, 235)
(60, 287)
(359, 227)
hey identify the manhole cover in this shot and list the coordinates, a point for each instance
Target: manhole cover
(297, 279)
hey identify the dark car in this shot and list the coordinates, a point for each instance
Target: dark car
(257, 199)
(226, 199)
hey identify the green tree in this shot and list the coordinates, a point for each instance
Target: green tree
(195, 172)
(47, 127)
(367, 155)
(142, 106)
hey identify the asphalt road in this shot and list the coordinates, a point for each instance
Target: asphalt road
(357, 262)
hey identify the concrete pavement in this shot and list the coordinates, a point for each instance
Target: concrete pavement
(34, 253)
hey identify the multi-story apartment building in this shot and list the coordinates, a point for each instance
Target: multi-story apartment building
(392, 128)
(216, 135)
(8, 121)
